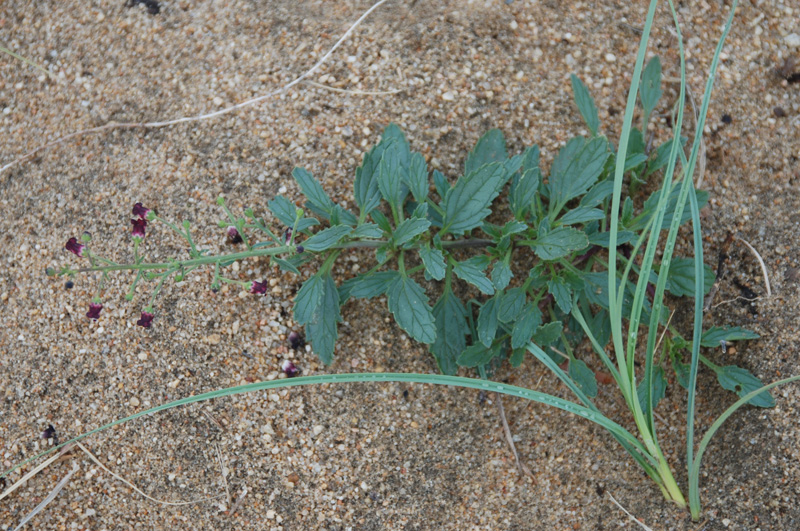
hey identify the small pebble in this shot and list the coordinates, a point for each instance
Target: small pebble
(779, 112)
(726, 119)
(793, 39)
(135, 402)
(610, 58)
(318, 429)
(449, 96)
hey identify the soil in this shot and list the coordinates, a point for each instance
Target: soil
(358, 456)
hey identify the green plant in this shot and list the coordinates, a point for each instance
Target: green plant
(588, 259)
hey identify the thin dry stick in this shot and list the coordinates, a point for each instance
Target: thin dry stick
(520, 465)
(222, 471)
(35, 471)
(238, 502)
(28, 62)
(50, 497)
(739, 298)
(207, 116)
(355, 92)
(629, 514)
(134, 487)
(760, 262)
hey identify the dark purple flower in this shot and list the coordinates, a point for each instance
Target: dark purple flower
(233, 236)
(300, 248)
(258, 288)
(289, 369)
(94, 310)
(50, 433)
(287, 235)
(138, 227)
(146, 320)
(140, 211)
(74, 247)
(296, 341)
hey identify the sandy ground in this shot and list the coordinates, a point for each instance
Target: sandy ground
(361, 456)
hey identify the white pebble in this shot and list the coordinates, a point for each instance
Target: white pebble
(610, 57)
(135, 402)
(217, 101)
(318, 429)
(449, 96)
(793, 39)
(270, 515)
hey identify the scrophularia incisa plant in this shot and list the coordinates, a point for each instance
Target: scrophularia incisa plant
(500, 263)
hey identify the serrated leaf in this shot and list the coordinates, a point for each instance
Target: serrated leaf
(373, 285)
(634, 160)
(651, 204)
(650, 89)
(585, 104)
(597, 194)
(501, 275)
(381, 220)
(409, 305)
(476, 355)
(341, 216)
(560, 242)
(441, 184)
(326, 238)
(433, 260)
(472, 271)
(312, 190)
(308, 299)
(627, 211)
(583, 376)
(451, 330)
(680, 279)
(576, 168)
(367, 230)
(409, 229)
(714, 335)
(390, 182)
(511, 305)
(365, 187)
(603, 239)
(662, 156)
(517, 357)
(681, 372)
(417, 179)
(581, 214)
(284, 210)
(285, 265)
(742, 382)
(487, 322)
(659, 388)
(600, 326)
(562, 293)
(523, 191)
(528, 322)
(322, 331)
(467, 202)
(490, 148)
(548, 334)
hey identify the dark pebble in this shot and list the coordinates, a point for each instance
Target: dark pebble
(779, 112)
(726, 119)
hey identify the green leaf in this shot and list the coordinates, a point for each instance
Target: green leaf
(603, 239)
(714, 335)
(313, 190)
(523, 191)
(548, 334)
(562, 293)
(487, 322)
(451, 331)
(326, 238)
(467, 203)
(523, 329)
(659, 388)
(662, 156)
(322, 331)
(285, 266)
(634, 160)
(372, 285)
(381, 220)
(390, 181)
(477, 355)
(680, 279)
(585, 104)
(490, 148)
(511, 305)
(417, 179)
(650, 89)
(517, 356)
(501, 275)
(651, 205)
(576, 168)
(441, 184)
(365, 188)
(681, 372)
(367, 230)
(409, 229)
(284, 210)
(472, 271)
(742, 382)
(581, 214)
(409, 305)
(583, 376)
(560, 242)
(308, 299)
(433, 260)
(597, 194)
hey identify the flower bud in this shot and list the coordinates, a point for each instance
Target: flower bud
(289, 369)
(186, 224)
(86, 237)
(221, 201)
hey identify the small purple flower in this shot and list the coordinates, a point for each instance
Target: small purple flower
(94, 310)
(74, 247)
(258, 288)
(138, 227)
(287, 235)
(233, 236)
(146, 320)
(140, 211)
(289, 369)
(50, 433)
(300, 248)
(296, 341)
